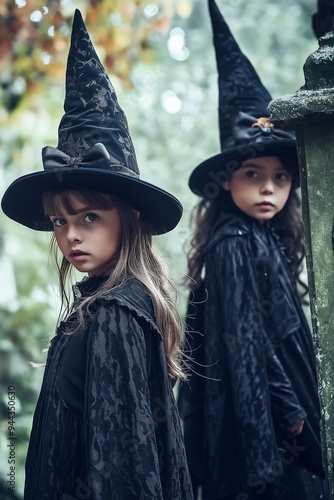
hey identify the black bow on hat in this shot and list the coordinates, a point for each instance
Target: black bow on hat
(97, 155)
(245, 129)
(94, 150)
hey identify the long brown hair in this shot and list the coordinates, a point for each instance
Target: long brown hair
(287, 223)
(136, 259)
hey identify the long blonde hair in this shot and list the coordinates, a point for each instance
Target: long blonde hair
(136, 259)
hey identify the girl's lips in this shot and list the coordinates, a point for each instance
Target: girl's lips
(265, 204)
(76, 252)
(78, 255)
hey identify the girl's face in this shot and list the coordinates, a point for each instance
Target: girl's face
(261, 187)
(89, 239)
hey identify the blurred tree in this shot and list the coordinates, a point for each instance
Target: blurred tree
(34, 37)
(160, 58)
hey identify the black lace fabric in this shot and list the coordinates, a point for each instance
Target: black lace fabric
(256, 353)
(126, 443)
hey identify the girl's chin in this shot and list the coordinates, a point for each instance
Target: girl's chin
(262, 217)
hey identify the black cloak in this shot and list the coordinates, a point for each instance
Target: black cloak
(254, 362)
(106, 425)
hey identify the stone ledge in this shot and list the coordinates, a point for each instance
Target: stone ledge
(303, 105)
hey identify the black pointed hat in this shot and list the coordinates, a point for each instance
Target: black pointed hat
(94, 149)
(245, 129)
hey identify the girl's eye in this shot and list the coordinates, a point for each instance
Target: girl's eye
(282, 176)
(58, 222)
(252, 174)
(90, 218)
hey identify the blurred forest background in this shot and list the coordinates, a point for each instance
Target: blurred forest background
(161, 61)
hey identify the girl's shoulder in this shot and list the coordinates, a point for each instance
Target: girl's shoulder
(131, 296)
(229, 225)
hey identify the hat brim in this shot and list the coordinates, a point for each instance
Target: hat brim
(22, 200)
(207, 179)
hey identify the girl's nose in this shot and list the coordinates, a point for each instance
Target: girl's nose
(267, 186)
(73, 233)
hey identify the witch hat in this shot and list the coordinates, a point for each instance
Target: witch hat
(94, 149)
(245, 129)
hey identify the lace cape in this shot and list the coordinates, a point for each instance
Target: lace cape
(128, 442)
(253, 345)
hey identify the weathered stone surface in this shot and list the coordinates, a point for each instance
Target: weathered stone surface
(310, 111)
(318, 67)
(315, 100)
(293, 109)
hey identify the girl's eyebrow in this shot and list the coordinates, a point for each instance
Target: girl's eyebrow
(54, 215)
(80, 211)
(263, 167)
(253, 165)
(83, 209)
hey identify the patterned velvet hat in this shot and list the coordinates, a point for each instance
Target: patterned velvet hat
(94, 149)
(245, 129)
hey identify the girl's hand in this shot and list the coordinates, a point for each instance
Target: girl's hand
(296, 429)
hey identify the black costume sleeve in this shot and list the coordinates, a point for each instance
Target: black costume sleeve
(258, 381)
(285, 406)
(122, 449)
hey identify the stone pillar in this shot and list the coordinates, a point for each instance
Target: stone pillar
(310, 112)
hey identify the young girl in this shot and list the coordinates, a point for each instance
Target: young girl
(252, 399)
(106, 424)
